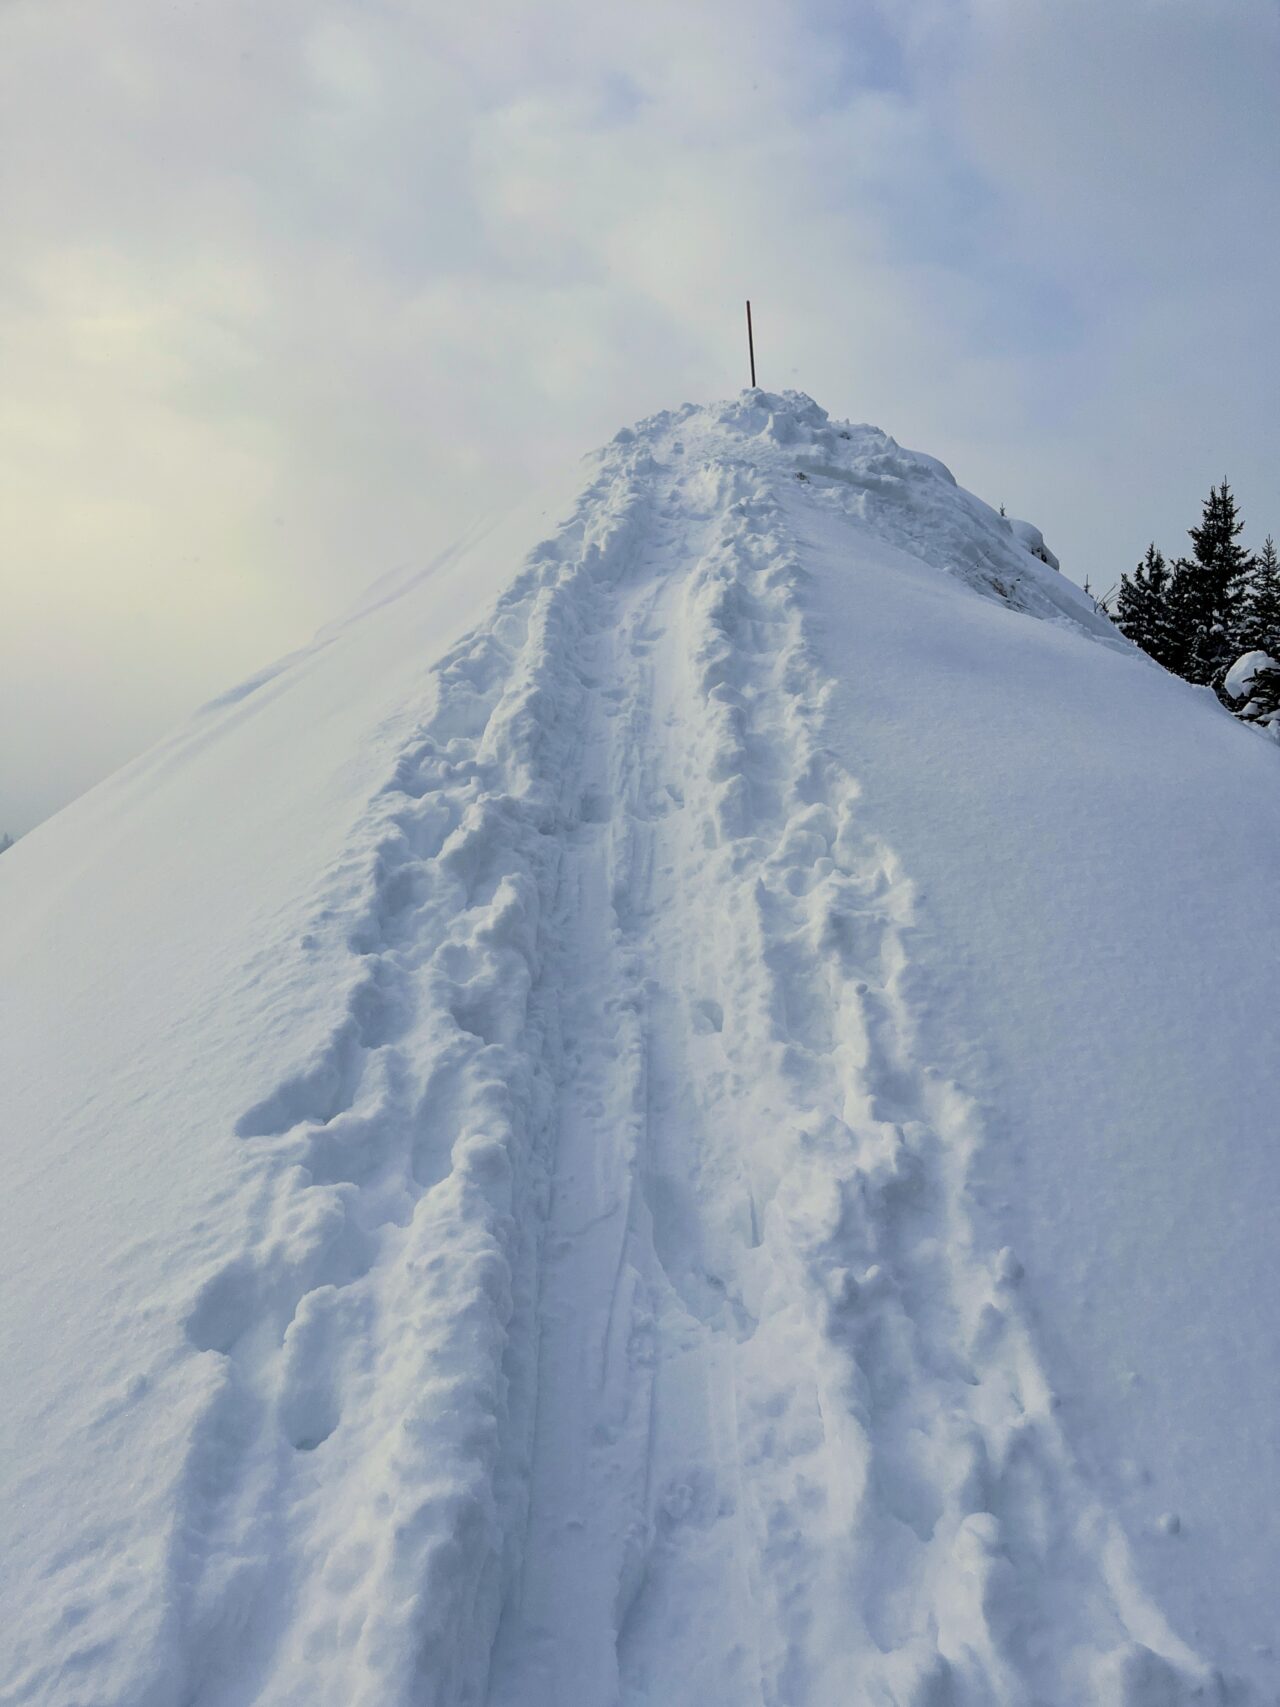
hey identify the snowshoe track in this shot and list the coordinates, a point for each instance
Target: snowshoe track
(610, 1327)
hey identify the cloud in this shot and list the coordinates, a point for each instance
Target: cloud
(291, 293)
(1135, 158)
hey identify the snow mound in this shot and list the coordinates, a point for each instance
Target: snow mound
(1028, 534)
(580, 1140)
(1240, 677)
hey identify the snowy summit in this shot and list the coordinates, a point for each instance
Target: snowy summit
(680, 1110)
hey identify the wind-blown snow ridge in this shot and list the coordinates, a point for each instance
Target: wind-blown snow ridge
(610, 1326)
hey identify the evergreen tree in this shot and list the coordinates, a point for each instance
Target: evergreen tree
(1183, 615)
(1164, 636)
(1133, 603)
(1142, 607)
(1258, 623)
(1254, 695)
(1205, 600)
(1264, 698)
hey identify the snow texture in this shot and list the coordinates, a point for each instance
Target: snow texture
(679, 1111)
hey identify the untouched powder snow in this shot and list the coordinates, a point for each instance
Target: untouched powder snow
(682, 1110)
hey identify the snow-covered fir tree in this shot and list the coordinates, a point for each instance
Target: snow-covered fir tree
(1142, 606)
(1213, 617)
(1251, 689)
(1206, 591)
(1264, 696)
(1258, 624)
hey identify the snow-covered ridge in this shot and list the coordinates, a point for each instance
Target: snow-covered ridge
(904, 497)
(597, 1311)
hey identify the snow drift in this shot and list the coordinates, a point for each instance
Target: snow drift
(681, 1110)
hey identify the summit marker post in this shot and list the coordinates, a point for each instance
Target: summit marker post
(751, 346)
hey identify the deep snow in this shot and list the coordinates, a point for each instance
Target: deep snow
(680, 1110)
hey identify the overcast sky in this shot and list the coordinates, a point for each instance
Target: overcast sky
(291, 292)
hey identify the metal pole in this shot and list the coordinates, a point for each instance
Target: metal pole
(751, 348)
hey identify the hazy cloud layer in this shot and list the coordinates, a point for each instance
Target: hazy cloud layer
(289, 293)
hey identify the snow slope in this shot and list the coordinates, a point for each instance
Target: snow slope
(681, 1110)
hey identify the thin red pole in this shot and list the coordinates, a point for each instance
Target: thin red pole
(751, 348)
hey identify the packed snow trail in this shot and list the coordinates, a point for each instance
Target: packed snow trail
(793, 1447)
(607, 1323)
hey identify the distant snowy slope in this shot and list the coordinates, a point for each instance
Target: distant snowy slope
(681, 1110)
